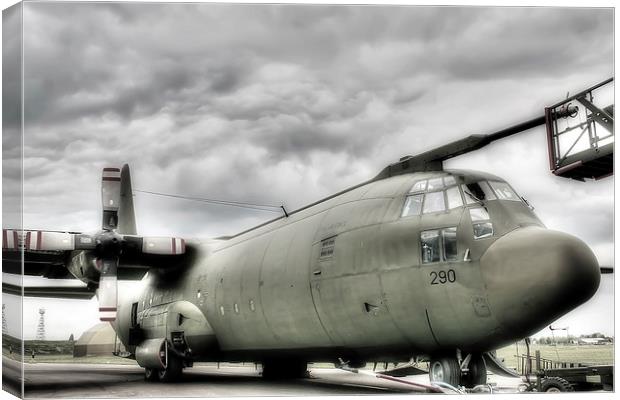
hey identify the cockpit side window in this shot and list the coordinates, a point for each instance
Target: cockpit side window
(470, 197)
(477, 191)
(430, 246)
(438, 245)
(504, 191)
(478, 214)
(419, 186)
(413, 205)
(488, 192)
(481, 223)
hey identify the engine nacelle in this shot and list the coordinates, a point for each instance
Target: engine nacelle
(84, 267)
(182, 324)
(152, 353)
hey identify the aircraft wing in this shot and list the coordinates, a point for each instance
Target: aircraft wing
(54, 292)
(52, 264)
(47, 264)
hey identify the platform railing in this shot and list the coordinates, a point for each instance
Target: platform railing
(527, 365)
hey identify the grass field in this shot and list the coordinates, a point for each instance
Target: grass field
(587, 354)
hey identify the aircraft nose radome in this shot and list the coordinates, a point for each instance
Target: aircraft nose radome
(535, 275)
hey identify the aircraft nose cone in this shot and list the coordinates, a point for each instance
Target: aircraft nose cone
(535, 275)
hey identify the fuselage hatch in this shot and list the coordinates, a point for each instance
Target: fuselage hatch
(411, 265)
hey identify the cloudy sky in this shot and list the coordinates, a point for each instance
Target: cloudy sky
(288, 104)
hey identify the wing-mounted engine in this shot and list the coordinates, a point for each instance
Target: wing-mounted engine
(98, 259)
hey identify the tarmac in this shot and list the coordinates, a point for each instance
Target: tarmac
(57, 380)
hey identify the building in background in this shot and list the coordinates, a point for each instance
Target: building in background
(97, 341)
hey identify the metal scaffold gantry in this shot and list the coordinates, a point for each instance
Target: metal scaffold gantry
(580, 134)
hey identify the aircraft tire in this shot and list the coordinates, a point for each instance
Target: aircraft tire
(477, 374)
(173, 371)
(150, 375)
(445, 369)
(556, 384)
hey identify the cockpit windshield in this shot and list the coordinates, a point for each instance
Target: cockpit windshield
(443, 194)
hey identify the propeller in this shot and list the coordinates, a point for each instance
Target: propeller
(106, 245)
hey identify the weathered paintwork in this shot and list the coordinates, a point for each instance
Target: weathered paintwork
(269, 290)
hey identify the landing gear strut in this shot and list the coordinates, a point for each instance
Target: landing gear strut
(477, 372)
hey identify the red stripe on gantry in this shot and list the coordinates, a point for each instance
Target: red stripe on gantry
(112, 169)
(28, 234)
(107, 319)
(174, 246)
(15, 241)
(107, 308)
(182, 245)
(5, 239)
(39, 239)
(110, 178)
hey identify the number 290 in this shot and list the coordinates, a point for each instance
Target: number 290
(441, 277)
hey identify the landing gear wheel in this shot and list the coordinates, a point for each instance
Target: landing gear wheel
(556, 384)
(477, 372)
(285, 369)
(150, 375)
(445, 369)
(173, 371)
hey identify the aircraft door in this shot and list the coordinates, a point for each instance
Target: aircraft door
(454, 287)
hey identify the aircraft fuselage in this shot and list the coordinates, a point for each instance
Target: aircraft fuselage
(384, 271)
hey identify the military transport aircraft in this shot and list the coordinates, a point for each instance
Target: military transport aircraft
(418, 263)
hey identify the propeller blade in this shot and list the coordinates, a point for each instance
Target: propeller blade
(108, 289)
(43, 240)
(163, 245)
(110, 197)
(11, 239)
(126, 215)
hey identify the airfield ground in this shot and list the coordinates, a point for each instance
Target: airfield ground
(48, 376)
(591, 354)
(55, 380)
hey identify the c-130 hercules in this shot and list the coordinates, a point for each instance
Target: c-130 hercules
(418, 263)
